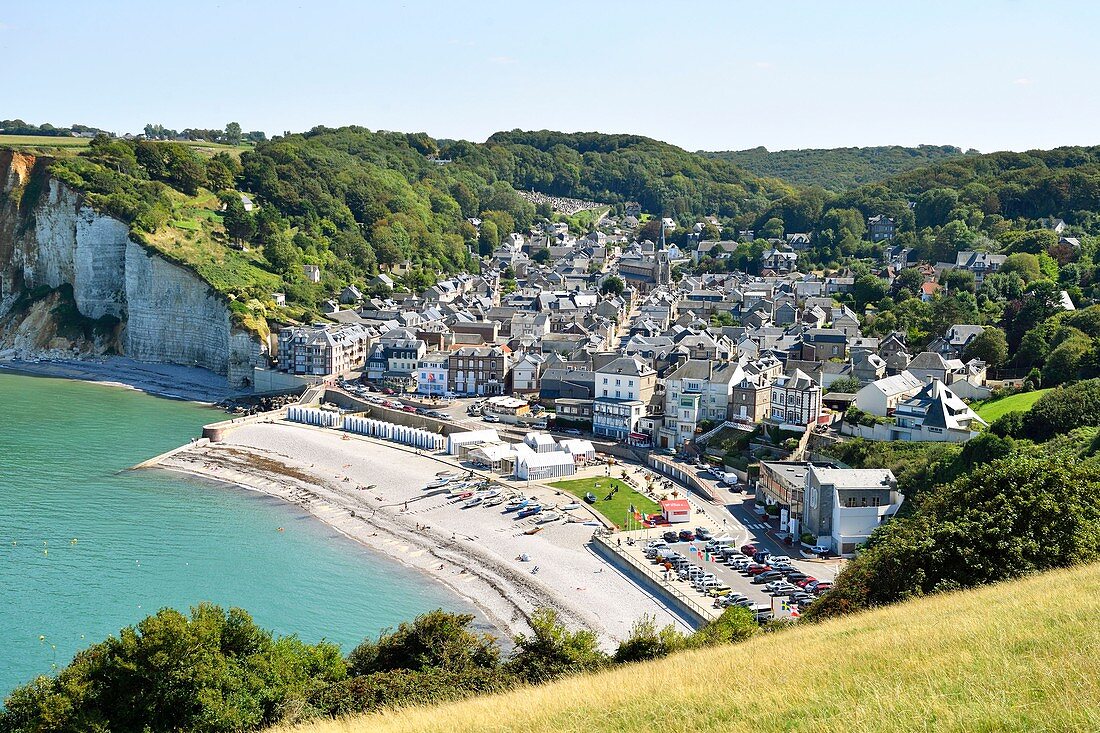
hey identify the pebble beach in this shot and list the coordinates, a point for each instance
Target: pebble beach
(373, 492)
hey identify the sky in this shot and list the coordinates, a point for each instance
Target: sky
(723, 75)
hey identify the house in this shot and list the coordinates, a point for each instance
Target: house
(695, 391)
(868, 366)
(394, 360)
(527, 372)
(979, 263)
(312, 273)
(881, 228)
(351, 295)
(954, 340)
(624, 389)
(843, 506)
(480, 370)
(934, 413)
(883, 396)
(542, 466)
(782, 483)
(779, 259)
(929, 365)
(323, 350)
(796, 400)
(822, 344)
(676, 511)
(432, 374)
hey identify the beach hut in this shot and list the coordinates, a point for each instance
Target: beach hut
(457, 441)
(581, 450)
(542, 466)
(541, 442)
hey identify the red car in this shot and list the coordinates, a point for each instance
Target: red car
(387, 390)
(748, 550)
(805, 581)
(757, 569)
(821, 588)
(406, 408)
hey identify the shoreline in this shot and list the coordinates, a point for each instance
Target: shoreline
(474, 553)
(167, 381)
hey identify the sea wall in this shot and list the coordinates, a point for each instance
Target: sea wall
(50, 237)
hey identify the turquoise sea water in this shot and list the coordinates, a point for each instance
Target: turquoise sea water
(86, 550)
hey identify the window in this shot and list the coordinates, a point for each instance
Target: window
(631, 382)
(617, 382)
(605, 391)
(605, 382)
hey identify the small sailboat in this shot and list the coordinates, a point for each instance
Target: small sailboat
(529, 511)
(516, 504)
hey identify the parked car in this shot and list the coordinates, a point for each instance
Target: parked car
(671, 536)
(703, 533)
(778, 560)
(806, 581)
(759, 569)
(540, 425)
(766, 577)
(686, 535)
(572, 431)
(490, 418)
(821, 550)
(796, 576)
(749, 549)
(802, 598)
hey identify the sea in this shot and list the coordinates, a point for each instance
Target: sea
(87, 547)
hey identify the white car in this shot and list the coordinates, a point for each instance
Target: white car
(820, 550)
(490, 418)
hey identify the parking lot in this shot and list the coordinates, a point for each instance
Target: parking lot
(727, 570)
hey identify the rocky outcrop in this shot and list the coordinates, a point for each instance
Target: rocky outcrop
(50, 238)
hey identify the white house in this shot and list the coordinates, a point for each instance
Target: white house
(882, 396)
(676, 511)
(796, 400)
(843, 506)
(431, 375)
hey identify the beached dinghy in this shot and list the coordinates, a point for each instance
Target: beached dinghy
(548, 517)
(472, 502)
(516, 504)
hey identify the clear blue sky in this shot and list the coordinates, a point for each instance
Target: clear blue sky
(704, 75)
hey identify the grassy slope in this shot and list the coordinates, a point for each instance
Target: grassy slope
(1021, 402)
(617, 508)
(1016, 657)
(50, 143)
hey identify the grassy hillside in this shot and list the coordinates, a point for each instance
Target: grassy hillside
(1023, 656)
(836, 169)
(1020, 402)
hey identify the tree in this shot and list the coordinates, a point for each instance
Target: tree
(846, 384)
(239, 224)
(552, 651)
(957, 281)
(542, 256)
(934, 206)
(990, 346)
(1024, 264)
(772, 229)
(212, 671)
(612, 285)
(281, 254)
(868, 289)
(233, 133)
(736, 624)
(646, 641)
(218, 176)
(488, 238)
(433, 640)
(909, 279)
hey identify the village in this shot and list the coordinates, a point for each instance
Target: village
(729, 382)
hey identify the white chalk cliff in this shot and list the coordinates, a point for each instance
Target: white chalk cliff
(167, 312)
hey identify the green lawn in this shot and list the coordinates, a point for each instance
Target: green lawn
(617, 508)
(1020, 402)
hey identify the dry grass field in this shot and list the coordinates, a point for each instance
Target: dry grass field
(1021, 656)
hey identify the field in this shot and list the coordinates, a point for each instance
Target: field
(1022, 656)
(1020, 402)
(618, 507)
(47, 142)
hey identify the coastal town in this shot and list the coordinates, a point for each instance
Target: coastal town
(543, 386)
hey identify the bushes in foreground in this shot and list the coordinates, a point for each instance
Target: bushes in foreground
(217, 671)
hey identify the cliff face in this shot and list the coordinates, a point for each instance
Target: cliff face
(50, 238)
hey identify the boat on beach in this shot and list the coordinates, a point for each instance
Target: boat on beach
(534, 530)
(516, 505)
(529, 511)
(548, 517)
(474, 501)
(570, 506)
